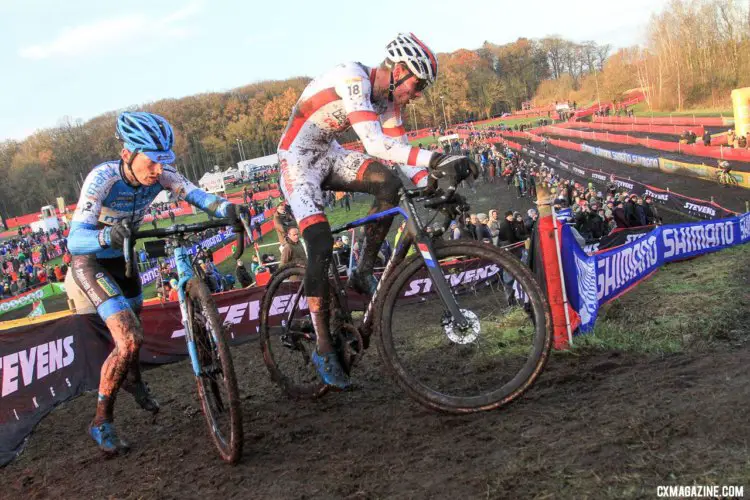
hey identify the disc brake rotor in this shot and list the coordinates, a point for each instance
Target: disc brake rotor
(465, 335)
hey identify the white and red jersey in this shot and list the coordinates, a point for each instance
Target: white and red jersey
(339, 99)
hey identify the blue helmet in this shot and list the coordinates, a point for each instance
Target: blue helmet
(146, 133)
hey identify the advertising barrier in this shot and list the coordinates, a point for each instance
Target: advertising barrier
(693, 207)
(637, 127)
(622, 157)
(26, 298)
(706, 121)
(703, 171)
(718, 152)
(41, 366)
(593, 280)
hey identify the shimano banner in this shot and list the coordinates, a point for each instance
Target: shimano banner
(593, 280)
(622, 157)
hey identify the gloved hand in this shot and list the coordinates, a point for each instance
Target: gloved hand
(233, 214)
(115, 235)
(455, 167)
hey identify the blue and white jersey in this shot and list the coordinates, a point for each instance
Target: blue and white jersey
(106, 198)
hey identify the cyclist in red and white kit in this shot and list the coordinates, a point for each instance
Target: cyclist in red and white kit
(369, 100)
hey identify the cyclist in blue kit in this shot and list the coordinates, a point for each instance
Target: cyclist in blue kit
(114, 192)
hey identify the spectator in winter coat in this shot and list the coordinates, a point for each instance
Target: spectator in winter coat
(469, 229)
(589, 224)
(619, 215)
(652, 214)
(282, 221)
(293, 250)
(455, 231)
(519, 228)
(481, 230)
(531, 217)
(494, 226)
(631, 213)
(243, 277)
(640, 212)
(506, 234)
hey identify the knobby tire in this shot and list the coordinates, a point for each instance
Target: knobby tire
(199, 300)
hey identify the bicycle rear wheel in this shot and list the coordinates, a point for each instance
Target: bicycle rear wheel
(217, 382)
(287, 337)
(484, 366)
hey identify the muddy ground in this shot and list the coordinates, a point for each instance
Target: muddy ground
(596, 425)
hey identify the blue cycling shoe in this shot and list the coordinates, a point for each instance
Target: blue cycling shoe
(106, 438)
(330, 371)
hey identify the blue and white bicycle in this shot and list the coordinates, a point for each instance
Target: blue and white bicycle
(207, 345)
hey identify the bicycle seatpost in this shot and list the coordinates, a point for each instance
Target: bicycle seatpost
(127, 249)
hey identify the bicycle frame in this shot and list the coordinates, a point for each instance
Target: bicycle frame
(416, 235)
(184, 274)
(185, 271)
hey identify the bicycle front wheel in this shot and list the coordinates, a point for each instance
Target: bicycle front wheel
(482, 366)
(217, 382)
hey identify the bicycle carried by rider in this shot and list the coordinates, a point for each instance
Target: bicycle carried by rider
(206, 338)
(115, 198)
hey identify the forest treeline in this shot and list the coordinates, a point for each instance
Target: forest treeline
(696, 52)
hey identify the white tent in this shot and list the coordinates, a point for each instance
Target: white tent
(257, 164)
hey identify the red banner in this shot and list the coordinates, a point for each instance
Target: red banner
(633, 127)
(717, 152)
(707, 121)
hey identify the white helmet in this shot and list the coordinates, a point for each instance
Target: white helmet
(420, 60)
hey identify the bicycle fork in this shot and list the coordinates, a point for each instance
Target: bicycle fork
(185, 272)
(416, 235)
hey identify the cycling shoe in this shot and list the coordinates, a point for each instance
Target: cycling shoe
(142, 395)
(330, 371)
(106, 438)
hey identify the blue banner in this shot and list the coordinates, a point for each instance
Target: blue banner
(592, 280)
(622, 157)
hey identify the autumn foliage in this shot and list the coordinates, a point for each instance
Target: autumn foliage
(696, 52)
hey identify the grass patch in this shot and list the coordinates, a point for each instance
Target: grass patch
(689, 305)
(641, 109)
(424, 141)
(509, 122)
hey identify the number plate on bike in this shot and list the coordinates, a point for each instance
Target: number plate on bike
(156, 248)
